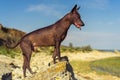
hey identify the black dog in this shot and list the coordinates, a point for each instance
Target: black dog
(51, 35)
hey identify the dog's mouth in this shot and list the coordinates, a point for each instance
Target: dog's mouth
(78, 25)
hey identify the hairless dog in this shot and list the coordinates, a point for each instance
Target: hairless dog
(51, 35)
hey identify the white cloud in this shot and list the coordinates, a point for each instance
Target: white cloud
(45, 9)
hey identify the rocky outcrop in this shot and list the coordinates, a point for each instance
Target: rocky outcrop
(59, 71)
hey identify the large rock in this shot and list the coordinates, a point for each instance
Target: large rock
(59, 71)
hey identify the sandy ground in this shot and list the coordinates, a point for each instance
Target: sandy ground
(91, 56)
(39, 59)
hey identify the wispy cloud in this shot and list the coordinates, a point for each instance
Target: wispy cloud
(45, 9)
(96, 4)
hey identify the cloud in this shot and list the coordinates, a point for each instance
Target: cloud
(45, 9)
(96, 4)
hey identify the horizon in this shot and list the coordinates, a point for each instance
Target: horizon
(101, 18)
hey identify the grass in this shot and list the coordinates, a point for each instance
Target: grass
(47, 50)
(101, 67)
(9, 52)
(109, 65)
(76, 49)
(81, 66)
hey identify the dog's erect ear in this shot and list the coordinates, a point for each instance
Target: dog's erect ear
(78, 8)
(74, 9)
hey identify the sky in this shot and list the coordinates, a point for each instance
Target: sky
(101, 18)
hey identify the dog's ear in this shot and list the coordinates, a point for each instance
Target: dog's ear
(74, 9)
(78, 8)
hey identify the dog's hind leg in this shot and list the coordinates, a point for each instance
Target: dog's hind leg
(28, 62)
(27, 52)
(24, 65)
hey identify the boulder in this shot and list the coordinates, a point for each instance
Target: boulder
(60, 71)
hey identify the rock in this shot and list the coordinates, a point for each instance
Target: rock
(59, 71)
(5, 71)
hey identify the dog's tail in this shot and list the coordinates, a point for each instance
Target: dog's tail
(7, 44)
(12, 47)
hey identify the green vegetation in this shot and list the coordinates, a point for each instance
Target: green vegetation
(9, 52)
(109, 65)
(47, 50)
(102, 67)
(64, 49)
(81, 66)
(72, 49)
(12, 36)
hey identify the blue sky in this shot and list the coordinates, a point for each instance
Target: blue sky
(101, 18)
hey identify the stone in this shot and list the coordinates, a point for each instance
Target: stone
(5, 71)
(60, 71)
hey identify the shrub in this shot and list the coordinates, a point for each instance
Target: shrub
(86, 48)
